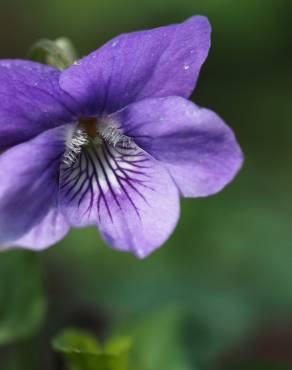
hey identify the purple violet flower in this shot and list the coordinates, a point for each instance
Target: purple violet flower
(111, 141)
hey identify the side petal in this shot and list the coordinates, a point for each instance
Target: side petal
(31, 101)
(52, 228)
(195, 145)
(29, 183)
(155, 63)
(127, 194)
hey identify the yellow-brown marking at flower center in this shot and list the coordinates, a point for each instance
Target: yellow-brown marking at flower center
(90, 126)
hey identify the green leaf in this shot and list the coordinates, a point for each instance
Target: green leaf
(83, 352)
(22, 301)
(59, 53)
(77, 340)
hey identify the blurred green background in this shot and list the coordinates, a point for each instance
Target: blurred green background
(218, 294)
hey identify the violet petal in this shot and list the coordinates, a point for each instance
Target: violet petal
(31, 101)
(195, 145)
(128, 195)
(155, 63)
(29, 183)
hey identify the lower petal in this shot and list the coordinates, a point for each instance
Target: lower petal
(127, 194)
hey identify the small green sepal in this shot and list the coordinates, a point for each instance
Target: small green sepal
(59, 53)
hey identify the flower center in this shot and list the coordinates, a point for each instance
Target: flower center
(93, 132)
(89, 124)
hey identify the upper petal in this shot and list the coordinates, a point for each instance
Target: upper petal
(31, 101)
(29, 183)
(195, 145)
(155, 63)
(127, 194)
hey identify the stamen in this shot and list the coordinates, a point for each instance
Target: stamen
(74, 146)
(111, 134)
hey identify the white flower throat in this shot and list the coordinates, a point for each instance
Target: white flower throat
(103, 169)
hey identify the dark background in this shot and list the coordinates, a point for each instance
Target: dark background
(224, 278)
